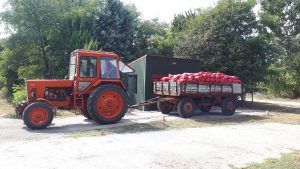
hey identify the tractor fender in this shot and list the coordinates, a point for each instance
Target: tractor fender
(22, 106)
(117, 83)
(44, 101)
(120, 84)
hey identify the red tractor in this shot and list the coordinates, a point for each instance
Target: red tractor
(93, 87)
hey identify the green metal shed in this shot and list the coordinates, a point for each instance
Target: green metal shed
(149, 68)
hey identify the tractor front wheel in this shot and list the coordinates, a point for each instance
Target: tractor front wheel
(38, 115)
(107, 104)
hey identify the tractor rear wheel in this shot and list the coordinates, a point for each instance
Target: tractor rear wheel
(38, 115)
(186, 107)
(107, 104)
(86, 115)
(165, 107)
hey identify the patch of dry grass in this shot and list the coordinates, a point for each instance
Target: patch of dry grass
(286, 118)
(6, 108)
(287, 161)
(64, 113)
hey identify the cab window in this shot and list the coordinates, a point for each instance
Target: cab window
(72, 69)
(88, 67)
(109, 68)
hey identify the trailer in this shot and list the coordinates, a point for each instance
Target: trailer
(186, 97)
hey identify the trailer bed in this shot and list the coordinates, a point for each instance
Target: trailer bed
(181, 89)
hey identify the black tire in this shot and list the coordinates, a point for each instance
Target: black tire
(186, 107)
(27, 118)
(228, 106)
(92, 106)
(165, 107)
(205, 109)
(86, 115)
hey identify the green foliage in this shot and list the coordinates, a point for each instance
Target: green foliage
(281, 24)
(30, 72)
(225, 37)
(147, 33)
(162, 46)
(283, 80)
(2, 82)
(92, 45)
(19, 93)
(228, 38)
(181, 21)
(46, 32)
(115, 28)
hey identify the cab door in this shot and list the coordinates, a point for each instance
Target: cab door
(88, 71)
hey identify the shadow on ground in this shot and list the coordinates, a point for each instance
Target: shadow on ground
(78, 127)
(271, 107)
(128, 126)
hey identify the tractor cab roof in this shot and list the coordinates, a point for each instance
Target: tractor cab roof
(95, 53)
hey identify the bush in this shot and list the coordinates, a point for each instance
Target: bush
(282, 81)
(2, 82)
(19, 93)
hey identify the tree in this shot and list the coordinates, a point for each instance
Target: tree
(226, 37)
(281, 21)
(180, 21)
(281, 24)
(50, 28)
(45, 32)
(115, 28)
(147, 33)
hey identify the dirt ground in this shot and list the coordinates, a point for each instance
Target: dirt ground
(215, 146)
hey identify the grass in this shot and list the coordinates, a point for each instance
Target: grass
(189, 123)
(263, 96)
(64, 113)
(287, 161)
(141, 127)
(6, 108)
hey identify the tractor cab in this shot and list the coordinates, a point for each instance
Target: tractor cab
(89, 68)
(93, 88)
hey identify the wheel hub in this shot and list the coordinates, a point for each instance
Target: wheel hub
(230, 106)
(110, 104)
(188, 107)
(38, 116)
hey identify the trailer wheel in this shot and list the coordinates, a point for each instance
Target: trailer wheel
(107, 104)
(186, 107)
(165, 107)
(228, 106)
(38, 115)
(205, 109)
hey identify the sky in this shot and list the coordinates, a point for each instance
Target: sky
(164, 10)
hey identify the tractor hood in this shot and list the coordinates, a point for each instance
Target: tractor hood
(49, 83)
(36, 88)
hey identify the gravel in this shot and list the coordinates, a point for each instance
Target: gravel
(208, 147)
